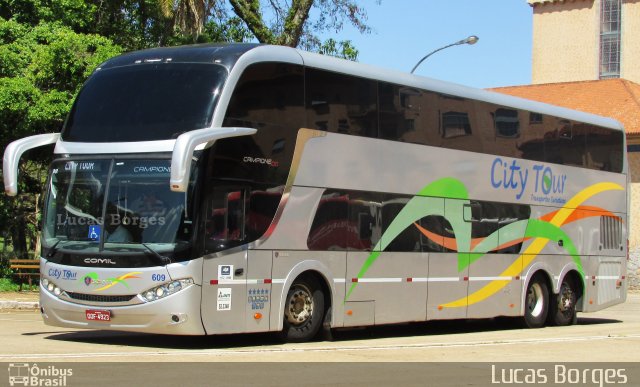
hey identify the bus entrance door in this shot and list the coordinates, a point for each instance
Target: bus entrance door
(224, 292)
(225, 265)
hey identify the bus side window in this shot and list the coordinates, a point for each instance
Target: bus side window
(341, 103)
(330, 226)
(225, 219)
(409, 239)
(436, 235)
(364, 221)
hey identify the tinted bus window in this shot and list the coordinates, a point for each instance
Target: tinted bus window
(506, 123)
(269, 98)
(341, 103)
(604, 149)
(345, 220)
(409, 239)
(565, 145)
(145, 102)
(487, 218)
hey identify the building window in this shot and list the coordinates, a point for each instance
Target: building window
(610, 38)
(535, 118)
(507, 123)
(455, 124)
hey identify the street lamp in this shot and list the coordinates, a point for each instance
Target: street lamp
(470, 40)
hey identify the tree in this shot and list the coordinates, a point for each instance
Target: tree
(42, 68)
(291, 24)
(49, 47)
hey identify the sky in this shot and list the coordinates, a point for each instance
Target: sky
(404, 31)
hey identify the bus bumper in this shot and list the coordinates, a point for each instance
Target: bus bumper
(177, 314)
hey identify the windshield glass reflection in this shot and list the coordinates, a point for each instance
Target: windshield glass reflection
(114, 205)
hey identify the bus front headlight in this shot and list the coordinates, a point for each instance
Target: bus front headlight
(51, 287)
(165, 290)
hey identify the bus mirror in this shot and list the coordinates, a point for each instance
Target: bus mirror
(12, 155)
(187, 142)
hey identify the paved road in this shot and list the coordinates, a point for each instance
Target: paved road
(611, 335)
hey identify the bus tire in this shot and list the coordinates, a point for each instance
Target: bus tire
(304, 310)
(562, 308)
(536, 303)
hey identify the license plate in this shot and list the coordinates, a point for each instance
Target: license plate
(98, 315)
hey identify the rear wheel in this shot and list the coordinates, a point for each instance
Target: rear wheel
(304, 310)
(536, 303)
(562, 308)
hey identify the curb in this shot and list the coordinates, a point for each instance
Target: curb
(18, 305)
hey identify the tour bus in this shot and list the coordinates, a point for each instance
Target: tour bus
(219, 189)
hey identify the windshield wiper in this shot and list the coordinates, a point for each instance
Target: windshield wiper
(53, 250)
(163, 260)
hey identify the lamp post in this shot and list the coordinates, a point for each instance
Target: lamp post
(470, 40)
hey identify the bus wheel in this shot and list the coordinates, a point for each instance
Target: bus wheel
(536, 303)
(304, 309)
(562, 309)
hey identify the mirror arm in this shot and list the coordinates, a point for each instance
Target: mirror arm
(13, 153)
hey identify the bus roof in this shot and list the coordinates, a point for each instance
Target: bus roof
(245, 54)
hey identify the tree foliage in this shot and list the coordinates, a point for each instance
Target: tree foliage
(302, 23)
(49, 47)
(42, 67)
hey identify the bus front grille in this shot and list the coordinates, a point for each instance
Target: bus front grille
(100, 298)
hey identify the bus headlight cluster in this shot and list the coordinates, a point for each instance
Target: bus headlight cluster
(50, 286)
(165, 290)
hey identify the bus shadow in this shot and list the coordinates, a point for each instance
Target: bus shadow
(428, 329)
(147, 340)
(596, 321)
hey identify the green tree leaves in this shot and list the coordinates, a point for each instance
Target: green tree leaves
(43, 64)
(43, 68)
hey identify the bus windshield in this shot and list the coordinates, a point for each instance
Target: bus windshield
(114, 205)
(145, 102)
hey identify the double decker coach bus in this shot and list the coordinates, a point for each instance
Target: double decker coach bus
(216, 189)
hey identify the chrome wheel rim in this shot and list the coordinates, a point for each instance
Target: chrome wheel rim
(535, 300)
(299, 305)
(566, 299)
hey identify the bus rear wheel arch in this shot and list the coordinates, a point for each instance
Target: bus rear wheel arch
(305, 308)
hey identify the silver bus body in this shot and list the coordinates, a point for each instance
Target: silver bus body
(575, 226)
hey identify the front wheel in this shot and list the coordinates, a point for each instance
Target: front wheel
(536, 303)
(304, 310)
(562, 309)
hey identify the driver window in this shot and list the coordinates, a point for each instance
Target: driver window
(225, 218)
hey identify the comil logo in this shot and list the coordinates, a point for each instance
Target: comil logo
(24, 374)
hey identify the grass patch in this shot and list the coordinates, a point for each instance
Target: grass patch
(7, 285)
(10, 285)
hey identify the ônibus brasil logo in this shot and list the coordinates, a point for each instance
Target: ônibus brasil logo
(25, 374)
